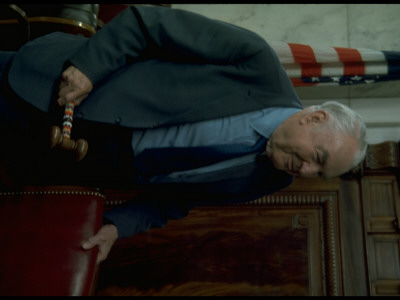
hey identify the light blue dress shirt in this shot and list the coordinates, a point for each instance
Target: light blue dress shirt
(244, 128)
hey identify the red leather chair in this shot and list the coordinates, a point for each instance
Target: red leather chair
(41, 231)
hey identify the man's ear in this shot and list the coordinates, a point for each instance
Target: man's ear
(315, 117)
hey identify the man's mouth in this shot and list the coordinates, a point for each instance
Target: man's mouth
(289, 164)
(290, 168)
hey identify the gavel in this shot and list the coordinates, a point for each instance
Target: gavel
(63, 138)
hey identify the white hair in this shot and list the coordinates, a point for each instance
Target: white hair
(344, 119)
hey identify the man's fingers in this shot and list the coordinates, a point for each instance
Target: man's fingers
(90, 243)
(93, 242)
(72, 96)
(104, 239)
(63, 84)
(70, 92)
(74, 86)
(104, 249)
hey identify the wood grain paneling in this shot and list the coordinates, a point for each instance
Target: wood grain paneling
(283, 244)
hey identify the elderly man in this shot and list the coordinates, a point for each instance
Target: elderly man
(195, 111)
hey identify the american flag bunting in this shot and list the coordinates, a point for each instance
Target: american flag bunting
(320, 65)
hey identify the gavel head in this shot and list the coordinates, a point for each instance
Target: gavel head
(55, 136)
(79, 147)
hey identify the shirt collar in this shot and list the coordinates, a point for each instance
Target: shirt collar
(272, 118)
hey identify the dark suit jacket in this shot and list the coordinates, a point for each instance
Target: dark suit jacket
(156, 66)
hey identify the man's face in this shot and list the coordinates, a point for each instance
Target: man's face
(305, 145)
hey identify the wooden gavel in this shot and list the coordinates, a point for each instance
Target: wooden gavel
(63, 138)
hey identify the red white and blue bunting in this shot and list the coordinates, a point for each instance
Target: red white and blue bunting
(320, 65)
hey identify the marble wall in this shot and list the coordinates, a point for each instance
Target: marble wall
(373, 26)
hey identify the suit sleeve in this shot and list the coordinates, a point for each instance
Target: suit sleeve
(163, 202)
(144, 213)
(158, 32)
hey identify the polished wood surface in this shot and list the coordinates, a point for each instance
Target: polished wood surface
(248, 252)
(282, 244)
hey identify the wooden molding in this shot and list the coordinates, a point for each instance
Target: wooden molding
(327, 201)
(63, 21)
(382, 155)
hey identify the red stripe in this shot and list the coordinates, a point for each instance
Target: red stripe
(304, 55)
(352, 61)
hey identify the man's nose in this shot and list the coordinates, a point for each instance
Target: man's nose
(309, 169)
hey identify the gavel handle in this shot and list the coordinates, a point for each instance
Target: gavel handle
(63, 140)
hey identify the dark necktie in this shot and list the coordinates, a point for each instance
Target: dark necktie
(167, 160)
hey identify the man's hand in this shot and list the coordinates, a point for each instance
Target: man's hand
(104, 239)
(74, 86)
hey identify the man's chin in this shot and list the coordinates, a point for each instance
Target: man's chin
(277, 165)
(292, 173)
